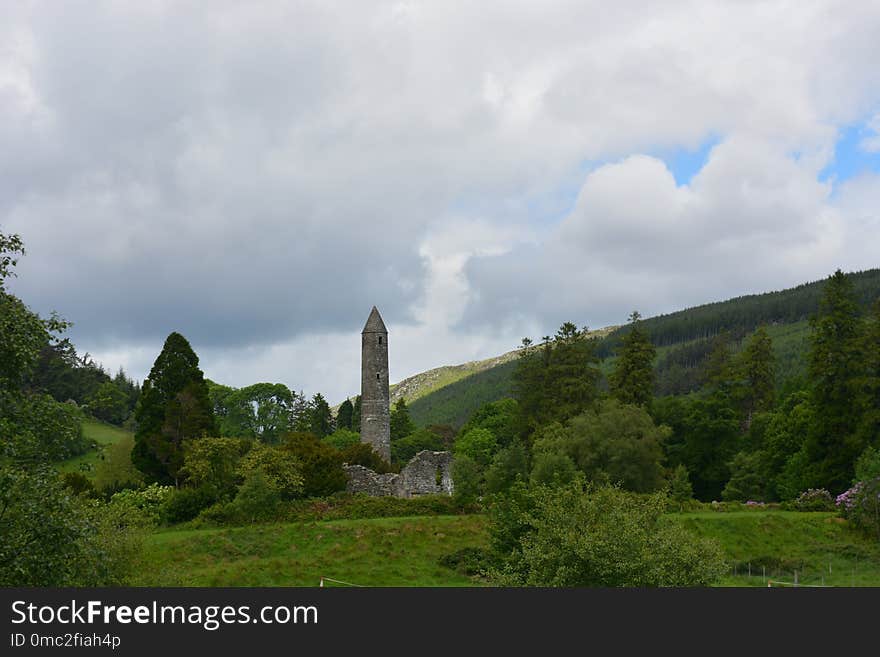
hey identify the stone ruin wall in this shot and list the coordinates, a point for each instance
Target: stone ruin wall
(427, 473)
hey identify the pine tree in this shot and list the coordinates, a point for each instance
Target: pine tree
(344, 415)
(632, 381)
(834, 369)
(401, 424)
(868, 384)
(321, 417)
(757, 373)
(356, 414)
(174, 407)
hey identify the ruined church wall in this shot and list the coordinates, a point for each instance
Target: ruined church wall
(427, 473)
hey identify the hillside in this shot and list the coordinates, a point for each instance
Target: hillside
(684, 339)
(407, 551)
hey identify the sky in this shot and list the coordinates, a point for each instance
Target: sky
(257, 176)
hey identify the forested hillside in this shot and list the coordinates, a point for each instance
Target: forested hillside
(684, 340)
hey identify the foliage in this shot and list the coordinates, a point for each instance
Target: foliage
(814, 499)
(471, 561)
(861, 505)
(320, 416)
(364, 454)
(321, 465)
(401, 424)
(477, 444)
(467, 479)
(558, 379)
(500, 417)
(680, 489)
(258, 497)
(54, 538)
(617, 443)
(116, 471)
(282, 470)
(148, 500)
(212, 463)
(186, 503)
(78, 484)
(342, 438)
(552, 468)
(833, 368)
(748, 478)
(632, 381)
(109, 403)
(259, 411)
(404, 449)
(174, 407)
(509, 465)
(583, 535)
(344, 416)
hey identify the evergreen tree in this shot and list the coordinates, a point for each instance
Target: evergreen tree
(401, 424)
(834, 369)
(321, 417)
(174, 407)
(868, 383)
(344, 416)
(758, 376)
(632, 381)
(356, 414)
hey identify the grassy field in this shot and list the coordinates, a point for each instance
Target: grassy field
(374, 552)
(773, 545)
(102, 435)
(405, 551)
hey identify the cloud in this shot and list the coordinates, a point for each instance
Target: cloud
(258, 175)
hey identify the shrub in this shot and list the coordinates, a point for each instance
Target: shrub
(477, 444)
(149, 500)
(258, 497)
(467, 479)
(321, 464)
(861, 505)
(552, 468)
(472, 561)
(186, 503)
(404, 449)
(342, 438)
(364, 454)
(213, 463)
(78, 484)
(584, 535)
(280, 468)
(813, 499)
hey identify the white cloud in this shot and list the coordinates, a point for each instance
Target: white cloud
(256, 175)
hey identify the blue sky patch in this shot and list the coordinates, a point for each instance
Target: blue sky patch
(685, 164)
(850, 159)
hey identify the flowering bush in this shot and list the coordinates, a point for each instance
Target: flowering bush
(861, 505)
(814, 499)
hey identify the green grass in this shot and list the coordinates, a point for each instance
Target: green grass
(374, 552)
(405, 551)
(822, 548)
(102, 435)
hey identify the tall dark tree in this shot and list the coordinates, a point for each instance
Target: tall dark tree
(556, 380)
(401, 424)
(356, 414)
(322, 418)
(344, 415)
(174, 407)
(834, 368)
(756, 368)
(868, 383)
(632, 381)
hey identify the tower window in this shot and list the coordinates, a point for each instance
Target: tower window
(380, 339)
(377, 376)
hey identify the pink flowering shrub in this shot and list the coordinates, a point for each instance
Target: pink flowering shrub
(861, 505)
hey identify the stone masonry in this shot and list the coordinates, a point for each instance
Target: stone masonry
(375, 398)
(427, 473)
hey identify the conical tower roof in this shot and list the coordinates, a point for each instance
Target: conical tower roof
(374, 323)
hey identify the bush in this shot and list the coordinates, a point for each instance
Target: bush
(78, 484)
(148, 500)
(477, 444)
(321, 464)
(186, 503)
(258, 497)
(404, 449)
(342, 438)
(467, 480)
(861, 505)
(814, 499)
(583, 535)
(471, 561)
(364, 454)
(281, 469)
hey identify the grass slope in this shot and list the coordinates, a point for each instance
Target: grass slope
(101, 435)
(374, 552)
(819, 546)
(405, 551)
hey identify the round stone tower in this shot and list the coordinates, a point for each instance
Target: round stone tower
(375, 397)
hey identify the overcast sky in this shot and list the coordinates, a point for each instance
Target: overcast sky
(258, 175)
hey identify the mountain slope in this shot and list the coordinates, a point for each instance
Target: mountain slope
(683, 339)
